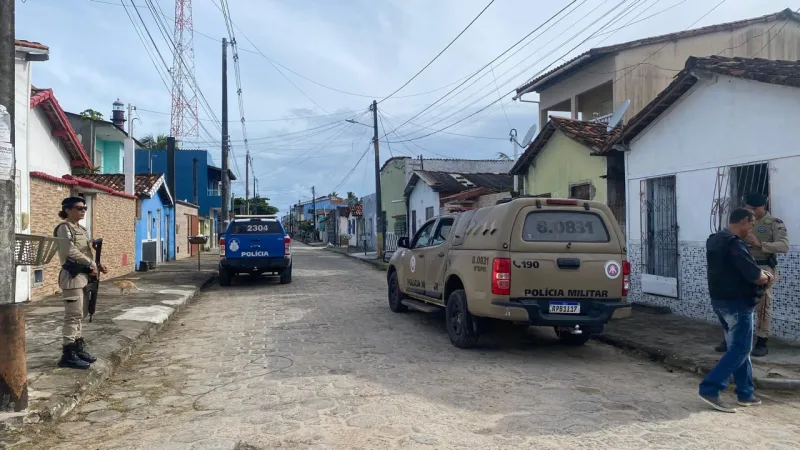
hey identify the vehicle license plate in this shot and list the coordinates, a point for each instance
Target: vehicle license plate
(565, 308)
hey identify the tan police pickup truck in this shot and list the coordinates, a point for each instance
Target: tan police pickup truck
(531, 261)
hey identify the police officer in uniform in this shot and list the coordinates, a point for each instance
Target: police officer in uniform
(768, 238)
(77, 262)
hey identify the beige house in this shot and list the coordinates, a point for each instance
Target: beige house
(185, 219)
(593, 84)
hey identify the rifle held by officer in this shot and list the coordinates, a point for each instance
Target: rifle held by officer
(94, 280)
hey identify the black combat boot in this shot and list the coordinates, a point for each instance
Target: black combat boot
(760, 348)
(80, 350)
(722, 348)
(70, 358)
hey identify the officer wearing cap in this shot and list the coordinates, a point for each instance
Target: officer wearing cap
(77, 263)
(768, 238)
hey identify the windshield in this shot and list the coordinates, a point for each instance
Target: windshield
(564, 226)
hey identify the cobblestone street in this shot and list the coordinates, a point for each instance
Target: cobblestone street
(322, 363)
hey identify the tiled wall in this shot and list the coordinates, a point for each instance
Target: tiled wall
(693, 298)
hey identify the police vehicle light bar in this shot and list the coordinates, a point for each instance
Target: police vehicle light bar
(260, 216)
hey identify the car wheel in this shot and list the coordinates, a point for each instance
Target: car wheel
(286, 275)
(568, 338)
(460, 323)
(225, 277)
(395, 296)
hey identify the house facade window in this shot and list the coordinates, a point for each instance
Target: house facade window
(429, 213)
(659, 227)
(581, 191)
(400, 226)
(414, 222)
(149, 224)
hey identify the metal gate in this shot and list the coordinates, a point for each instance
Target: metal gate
(659, 227)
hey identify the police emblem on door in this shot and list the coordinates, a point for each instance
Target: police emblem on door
(612, 269)
(413, 264)
(234, 245)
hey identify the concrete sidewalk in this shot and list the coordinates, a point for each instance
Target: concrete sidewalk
(687, 344)
(121, 324)
(370, 258)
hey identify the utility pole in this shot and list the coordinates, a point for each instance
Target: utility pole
(13, 367)
(226, 182)
(255, 193)
(381, 237)
(247, 181)
(313, 214)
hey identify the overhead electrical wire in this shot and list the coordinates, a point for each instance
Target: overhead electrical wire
(300, 75)
(150, 53)
(487, 65)
(226, 13)
(527, 68)
(521, 73)
(440, 53)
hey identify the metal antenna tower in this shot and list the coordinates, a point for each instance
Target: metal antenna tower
(184, 123)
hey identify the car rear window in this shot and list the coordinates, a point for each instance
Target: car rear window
(564, 226)
(257, 227)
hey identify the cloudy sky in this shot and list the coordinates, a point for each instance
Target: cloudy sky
(308, 65)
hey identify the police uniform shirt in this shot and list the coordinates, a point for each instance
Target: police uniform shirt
(771, 232)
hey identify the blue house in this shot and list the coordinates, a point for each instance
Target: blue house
(197, 179)
(155, 215)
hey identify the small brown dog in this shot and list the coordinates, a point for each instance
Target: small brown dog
(125, 286)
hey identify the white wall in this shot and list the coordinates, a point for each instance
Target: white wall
(22, 96)
(722, 122)
(47, 153)
(422, 196)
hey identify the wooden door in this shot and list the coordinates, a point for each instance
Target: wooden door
(193, 231)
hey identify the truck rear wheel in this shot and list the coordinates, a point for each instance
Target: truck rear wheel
(286, 275)
(460, 323)
(568, 338)
(395, 296)
(225, 277)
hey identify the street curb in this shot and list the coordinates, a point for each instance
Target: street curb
(97, 373)
(378, 265)
(687, 365)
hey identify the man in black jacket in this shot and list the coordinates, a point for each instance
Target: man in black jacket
(735, 284)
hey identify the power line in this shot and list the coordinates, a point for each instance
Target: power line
(490, 62)
(440, 53)
(446, 132)
(513, 77)
(544, 69)
(286, 119)
(668, 42)
(289, 69)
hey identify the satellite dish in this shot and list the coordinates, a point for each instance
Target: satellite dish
(618, 114)
(529, 135)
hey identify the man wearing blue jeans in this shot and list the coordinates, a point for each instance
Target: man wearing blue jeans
(735, 284)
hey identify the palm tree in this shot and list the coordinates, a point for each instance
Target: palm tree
(151, 142)
(352, 197)
(333, 194)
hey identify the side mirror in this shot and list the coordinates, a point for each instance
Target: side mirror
(402, 242)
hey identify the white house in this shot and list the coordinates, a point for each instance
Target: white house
(723, 128)
(25, 52)
(426, 188)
